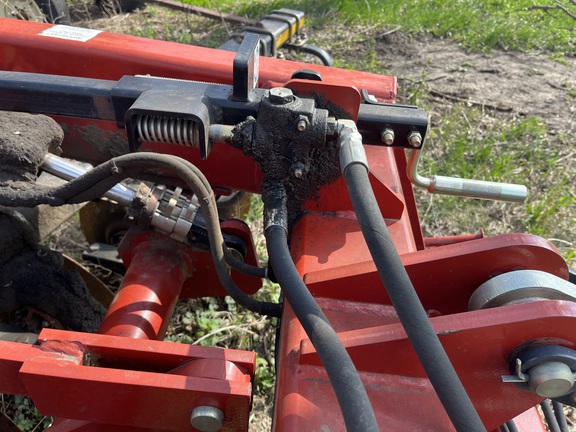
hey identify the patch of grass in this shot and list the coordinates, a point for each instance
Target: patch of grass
(478, 25)
(220, 322)
(472, 143)
(24, 414)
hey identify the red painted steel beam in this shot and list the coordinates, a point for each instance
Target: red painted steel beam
(110, 56)
(444, 277)
(478, 344)
(12, 356)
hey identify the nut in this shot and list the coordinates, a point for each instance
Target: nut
(414, 139)
(280, 96)
(298, 169)
(331, 126)
(387, 136)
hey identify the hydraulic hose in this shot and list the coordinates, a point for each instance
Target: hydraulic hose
(350, 392)
(69, 170)
(511, 426)
(97, 181)
(242, 267)
(550, 417)
(560, 416)
(399, 287)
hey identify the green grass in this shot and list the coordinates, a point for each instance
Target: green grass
(478, 25)
(471, 143)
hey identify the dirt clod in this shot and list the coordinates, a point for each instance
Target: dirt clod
(32, 276)
(24, 141)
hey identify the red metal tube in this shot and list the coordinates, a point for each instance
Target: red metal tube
(145, 302)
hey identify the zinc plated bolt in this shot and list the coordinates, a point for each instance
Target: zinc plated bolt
(415, 139)
(207, 419)
(302, 123)
(387, 136)
(551, 379)
(298, 169)
(280, 95)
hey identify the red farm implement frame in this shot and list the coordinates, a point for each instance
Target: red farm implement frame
(125, 378)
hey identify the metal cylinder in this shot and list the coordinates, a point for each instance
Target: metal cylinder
(144, 304)
(68, 170)
(207, 419)
(551, 379)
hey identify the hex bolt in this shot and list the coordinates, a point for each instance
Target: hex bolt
(280, 95)
(302, 123)
(298, 169)
(331, 126)
(415, 139)
(387, 136)
(207, 419)
(551, 379)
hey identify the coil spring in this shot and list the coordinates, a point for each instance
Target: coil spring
(168, 130)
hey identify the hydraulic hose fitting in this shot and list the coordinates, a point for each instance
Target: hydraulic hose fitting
(275, 209)
(351, 147)
(170, 212)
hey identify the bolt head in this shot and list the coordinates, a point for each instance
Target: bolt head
(415, 139)
(207, 419)
(302, 124)
(281, 95)
(387, 136)
(331, 126)
(298, 169)
(551, 379)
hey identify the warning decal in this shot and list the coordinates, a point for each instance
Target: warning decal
(70, 33)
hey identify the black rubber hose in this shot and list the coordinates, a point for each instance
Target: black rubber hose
(512, 426)
(560, 416)
(410, 311)
(97, 181)
(549, 415)
(242, 267)
(350, 392)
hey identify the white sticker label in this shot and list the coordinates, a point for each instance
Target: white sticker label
(70, 33)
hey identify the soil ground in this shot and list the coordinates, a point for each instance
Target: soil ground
(517, 83)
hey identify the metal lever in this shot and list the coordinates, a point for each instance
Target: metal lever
(464, 187)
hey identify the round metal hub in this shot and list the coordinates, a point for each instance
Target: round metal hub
(521, 286)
